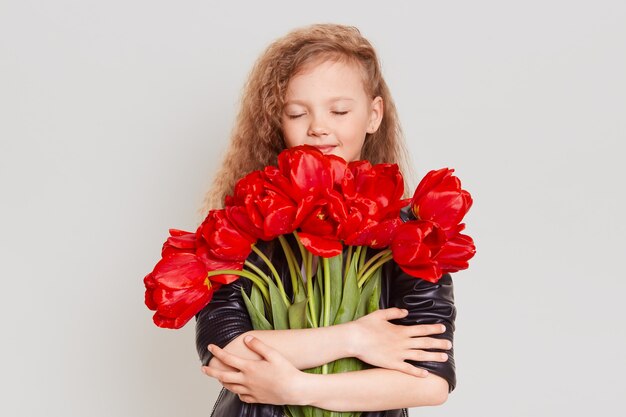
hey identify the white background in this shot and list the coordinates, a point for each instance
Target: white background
(113, 118)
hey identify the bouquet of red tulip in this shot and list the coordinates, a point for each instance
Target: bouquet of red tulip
(336, 212)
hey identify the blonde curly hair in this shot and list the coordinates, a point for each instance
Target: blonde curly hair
(257, 139)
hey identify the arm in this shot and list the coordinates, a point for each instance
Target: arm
(427, 303)
(274, 380)
(371, 390)
(379, 389)
(301, 347)
(224, 322)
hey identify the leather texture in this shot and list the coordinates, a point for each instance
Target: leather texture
(226, 317)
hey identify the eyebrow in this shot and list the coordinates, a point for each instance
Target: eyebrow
(330, 100)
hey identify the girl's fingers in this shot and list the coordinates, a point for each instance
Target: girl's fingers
(426, 329)
(212, 372)
(228, 358)
(392, 313)
(247, 398)
(430, 343)
(407, 368)
(261, 348)
(236, 388)
(424, 356)
(225, 377)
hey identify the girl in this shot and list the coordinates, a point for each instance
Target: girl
(322, 86)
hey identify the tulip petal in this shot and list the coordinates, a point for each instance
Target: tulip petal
(320, 246)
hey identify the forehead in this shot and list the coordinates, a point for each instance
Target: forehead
(326, 79)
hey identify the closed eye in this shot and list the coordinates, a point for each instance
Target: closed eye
(295, 116)
(340, 113)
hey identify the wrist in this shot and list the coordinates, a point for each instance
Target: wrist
(304, 391)
(350, 334)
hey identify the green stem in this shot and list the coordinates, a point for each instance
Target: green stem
(303, 251)
(348, 260)
(258, 271)
(326, 273)
(246, 274)
(373, 269)
(326, 265)
(307, 260)
(279, 282)
(369, 263)
(362, 257)
(309, 288)
(290, 263)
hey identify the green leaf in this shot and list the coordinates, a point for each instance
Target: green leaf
(364, 299)
(316, 370)
(279, 309)
(351, 293)
(374, 300)
(257, 299)
(294, 411)
(336, 284)
(301, 295)
(348, 365)
(319, 302)
(297, 315)
(259, 322)
(319, 277)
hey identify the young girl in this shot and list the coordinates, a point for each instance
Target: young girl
(322, 86)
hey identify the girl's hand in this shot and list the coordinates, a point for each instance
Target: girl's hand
(388, 345)
(271, 380)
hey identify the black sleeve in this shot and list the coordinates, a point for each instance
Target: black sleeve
(223, 319)
(427, 303)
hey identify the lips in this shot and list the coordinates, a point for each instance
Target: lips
(325, 149)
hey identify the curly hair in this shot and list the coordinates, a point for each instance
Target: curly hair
(257, 138)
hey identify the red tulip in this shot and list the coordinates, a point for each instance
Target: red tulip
(260, 206)
(382, 183)
(455, 253)
(179, 241)
(318, 219)
(439, 198)
(307, 169)
(177, 289)
(223, 239)
(377, 235)
(374, 206)
(415, 246)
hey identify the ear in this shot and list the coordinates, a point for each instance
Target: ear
(376, 115)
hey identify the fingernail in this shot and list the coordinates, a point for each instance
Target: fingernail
(210, 348)
(444, 356)
(443, 328)
(247, 339)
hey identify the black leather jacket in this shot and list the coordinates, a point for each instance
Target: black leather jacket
(226, 317)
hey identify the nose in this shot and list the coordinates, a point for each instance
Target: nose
(317, 127)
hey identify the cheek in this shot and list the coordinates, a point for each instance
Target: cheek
(294, 133)
(290, 135)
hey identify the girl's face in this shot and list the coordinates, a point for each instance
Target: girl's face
(326, 106)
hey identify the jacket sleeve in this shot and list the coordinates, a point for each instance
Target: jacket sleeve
(223, 319)
(427, 303)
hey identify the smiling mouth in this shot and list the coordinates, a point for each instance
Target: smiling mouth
(325, 149)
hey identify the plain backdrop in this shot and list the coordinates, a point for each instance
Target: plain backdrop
(113, 119)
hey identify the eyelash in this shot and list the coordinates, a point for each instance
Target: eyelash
(336, 113)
